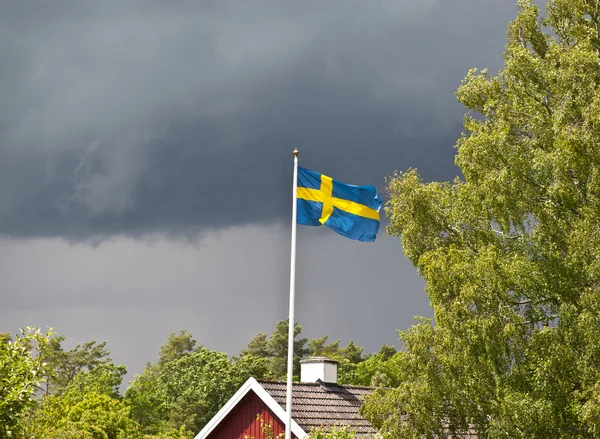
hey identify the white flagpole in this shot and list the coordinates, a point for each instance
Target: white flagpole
(290, 365)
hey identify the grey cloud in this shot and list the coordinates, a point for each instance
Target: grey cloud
(132, 293)
(179, 118)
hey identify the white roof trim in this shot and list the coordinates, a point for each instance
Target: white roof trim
(253, 385)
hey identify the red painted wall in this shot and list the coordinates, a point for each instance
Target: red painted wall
(241, 422)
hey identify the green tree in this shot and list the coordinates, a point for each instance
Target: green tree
(319, 347)
(278, 349)
(104, 379)
(353, 353)
(89, 407)
(194, 387)
(258, 346)
(146, 403)
(379, 370)
(339, 432)
(87, 416)
(182, 433)
(186, 387)
(348, 357)
(144, 397)
(510, 251)
(21, 372)
(177, 346)
(249, 366)
(386, 352)
(275, 348)
(65, 365)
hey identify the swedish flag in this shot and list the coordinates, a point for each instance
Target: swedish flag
(352, 211)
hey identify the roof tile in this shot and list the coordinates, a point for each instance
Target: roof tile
(315, 405)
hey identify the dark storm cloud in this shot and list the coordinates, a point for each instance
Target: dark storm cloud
(180, 117)
(132, 293)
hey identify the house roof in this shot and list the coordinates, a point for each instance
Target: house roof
(313, 405)
(323, 404)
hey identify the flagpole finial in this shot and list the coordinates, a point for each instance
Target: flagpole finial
(296, 152)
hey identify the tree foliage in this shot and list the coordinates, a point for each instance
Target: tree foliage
(170, 399)
(339, 432)
(187, 386)
(90, 416)
(194, 387)
(278, 350)
(177, 346)
(274, 349)
(21, 371)
(510, 252)
(258, 346)
(145, 401)
(65, 365)
(89, 407)
(379, 370)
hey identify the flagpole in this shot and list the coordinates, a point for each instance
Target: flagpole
(290, 364)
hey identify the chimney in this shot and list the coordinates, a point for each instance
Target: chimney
(314, 369)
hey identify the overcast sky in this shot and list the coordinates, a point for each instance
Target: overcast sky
(146, 166)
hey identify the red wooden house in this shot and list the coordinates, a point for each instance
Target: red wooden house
(317, 401)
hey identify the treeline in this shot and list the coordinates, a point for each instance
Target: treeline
(49, 392)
